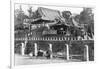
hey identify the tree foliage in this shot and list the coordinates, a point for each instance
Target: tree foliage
(19, 17)
(86, 16)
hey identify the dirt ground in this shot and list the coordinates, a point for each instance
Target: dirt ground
(27, 60)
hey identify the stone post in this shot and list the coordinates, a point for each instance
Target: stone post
(86, 53)
(36, 50)
(22, 49)
(50, 48)
(67, 51)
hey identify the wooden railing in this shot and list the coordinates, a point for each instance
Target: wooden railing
(52, 38)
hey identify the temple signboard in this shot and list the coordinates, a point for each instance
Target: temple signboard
(49, 32)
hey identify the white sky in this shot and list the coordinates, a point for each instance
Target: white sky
(25, 7)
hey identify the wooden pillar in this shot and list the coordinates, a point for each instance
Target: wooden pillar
(36, 50)
(22, 49)
(50, 48)
(67, 51)
(86, 53)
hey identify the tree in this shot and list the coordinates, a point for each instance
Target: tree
(30, 12)
(87, 18)
(33, 14)
(36, 14)
(19, 17)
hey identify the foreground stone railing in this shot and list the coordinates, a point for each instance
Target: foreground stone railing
(67, 55)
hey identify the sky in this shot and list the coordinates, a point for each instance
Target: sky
(25, 7)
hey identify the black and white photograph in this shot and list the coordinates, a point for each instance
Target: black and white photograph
(46, 34)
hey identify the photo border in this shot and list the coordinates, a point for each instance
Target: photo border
(12, 7)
